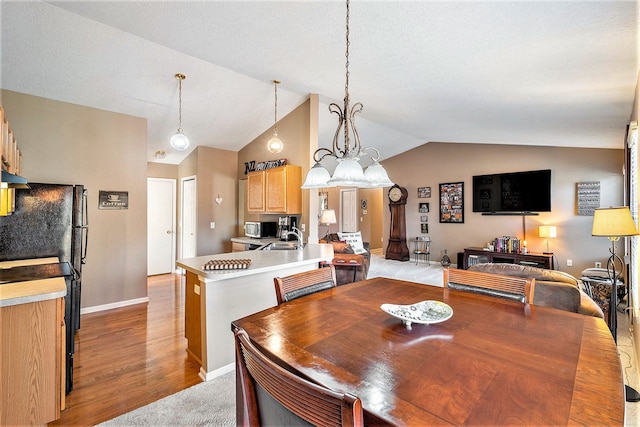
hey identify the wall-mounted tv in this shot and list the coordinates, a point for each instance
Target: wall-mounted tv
(515, 192)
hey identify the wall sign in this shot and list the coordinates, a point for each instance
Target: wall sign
(252, 166)
(113, 199)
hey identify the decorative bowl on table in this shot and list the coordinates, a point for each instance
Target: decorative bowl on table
(423, 312)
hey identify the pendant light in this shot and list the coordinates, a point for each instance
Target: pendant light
(275, 145)
(180, 141)
(349, 172)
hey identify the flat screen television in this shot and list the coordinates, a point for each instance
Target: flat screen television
(515, 192)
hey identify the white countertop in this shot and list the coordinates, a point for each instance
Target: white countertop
(251, 241)
(261, 261)
(32, 291)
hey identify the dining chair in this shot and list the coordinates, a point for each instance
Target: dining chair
(274, 396)
(514, 288)
(305, 283)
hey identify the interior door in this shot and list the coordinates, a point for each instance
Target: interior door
(348, 210)
(161, 242)
(189, 218)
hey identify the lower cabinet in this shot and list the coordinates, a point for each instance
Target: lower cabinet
(474, 256)
(32, 360)
(192, 316)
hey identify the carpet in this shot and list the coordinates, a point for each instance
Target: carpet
(211, 403)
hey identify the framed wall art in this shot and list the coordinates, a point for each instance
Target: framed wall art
(424, 218)
(423, 207)
(424, 228)
(452, 202)
(424, 192)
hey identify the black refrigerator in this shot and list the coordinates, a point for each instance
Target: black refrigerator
(50, 220)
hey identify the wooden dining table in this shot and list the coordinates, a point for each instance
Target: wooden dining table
(493, 362)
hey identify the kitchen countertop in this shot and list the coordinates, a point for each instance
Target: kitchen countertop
(14, 293)
(252, 241)
(261, 261)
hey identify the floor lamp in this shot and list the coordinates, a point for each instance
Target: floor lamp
(615, 222)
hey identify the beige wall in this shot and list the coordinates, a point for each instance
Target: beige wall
(71, 144)
(161, 170)
(434, 163)
(294, 131)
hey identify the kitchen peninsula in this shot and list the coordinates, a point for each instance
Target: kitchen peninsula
(214, 299)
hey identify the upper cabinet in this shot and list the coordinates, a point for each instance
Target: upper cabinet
(275, 190)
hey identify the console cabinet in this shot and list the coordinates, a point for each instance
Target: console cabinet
(275, 190)
(478, 255)
(192, 316)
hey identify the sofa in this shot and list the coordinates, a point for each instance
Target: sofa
(553, 288)
(345, 273)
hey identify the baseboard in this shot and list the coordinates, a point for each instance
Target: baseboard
(207, 376)
(113, 305)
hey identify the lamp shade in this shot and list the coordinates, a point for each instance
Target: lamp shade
(377, 176)
(613, 222)
(328, 216)
(317, 177)
(179, 141)
(548, 231)
(348, 173)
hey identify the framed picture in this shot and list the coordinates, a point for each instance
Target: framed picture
(423, 207)
(323, 202)
(424, 192)
(424, 228)
(424, 218)
(452, 202)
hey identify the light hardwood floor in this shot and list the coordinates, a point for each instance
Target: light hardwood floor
(129, 357)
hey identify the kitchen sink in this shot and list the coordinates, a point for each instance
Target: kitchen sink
(280, 246)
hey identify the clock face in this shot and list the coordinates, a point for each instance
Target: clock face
(395, 194)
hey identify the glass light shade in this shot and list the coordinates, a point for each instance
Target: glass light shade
(179, 141)
(548, 231)
(275, 145)
(328, 217)
(613, 222)
(317, 177)
(377, 176)
(348, 173)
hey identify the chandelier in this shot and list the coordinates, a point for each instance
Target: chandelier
(349, 172)
(275, 145)
(180, 141)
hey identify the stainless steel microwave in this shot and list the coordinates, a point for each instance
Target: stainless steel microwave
(261, 229)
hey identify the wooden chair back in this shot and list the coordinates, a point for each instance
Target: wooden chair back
(305, 283)
(302, 399)
(514, 288)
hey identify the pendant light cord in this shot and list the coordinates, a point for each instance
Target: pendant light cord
(180, 104)
(275, 113)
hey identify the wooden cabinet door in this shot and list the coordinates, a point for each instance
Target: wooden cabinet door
(256, 192)
(276, 190)
(192, 316)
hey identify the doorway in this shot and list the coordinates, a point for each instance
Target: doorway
(189, 218)
(161, 240)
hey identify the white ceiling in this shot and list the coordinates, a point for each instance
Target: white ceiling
(557, 73)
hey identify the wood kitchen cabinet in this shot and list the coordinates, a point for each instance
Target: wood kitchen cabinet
(192, 316)
(275, 190)
(32, 359)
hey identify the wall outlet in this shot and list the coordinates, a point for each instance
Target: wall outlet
(212, 225)
(196, 289)
(303, 227)
(569, 263)
(598, 264)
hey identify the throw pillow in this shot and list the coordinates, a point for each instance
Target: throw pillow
(355, 240)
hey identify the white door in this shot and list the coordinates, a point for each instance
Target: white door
(189, 218)
(161, 210)
(348, 209)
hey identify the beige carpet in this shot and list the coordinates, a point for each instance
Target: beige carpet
(211, 403)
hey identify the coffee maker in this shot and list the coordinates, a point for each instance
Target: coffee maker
(285, 225)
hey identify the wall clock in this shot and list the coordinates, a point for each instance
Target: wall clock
(397, 248)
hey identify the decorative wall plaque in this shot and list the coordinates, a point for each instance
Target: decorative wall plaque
(588, 194)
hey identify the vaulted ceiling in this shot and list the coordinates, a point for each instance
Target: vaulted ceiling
(554, 73)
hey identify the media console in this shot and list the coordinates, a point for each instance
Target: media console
(478, 255)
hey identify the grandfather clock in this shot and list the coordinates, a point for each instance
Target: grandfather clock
(397, 248)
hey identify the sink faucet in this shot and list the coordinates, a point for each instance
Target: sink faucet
(296, 232)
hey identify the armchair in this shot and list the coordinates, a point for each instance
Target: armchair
(345, 273)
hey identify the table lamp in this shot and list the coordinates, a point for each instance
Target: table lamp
(328, 217)
(615, 222)
(548, 232)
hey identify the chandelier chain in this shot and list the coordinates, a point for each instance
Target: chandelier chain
(180, 78)
(275, 113)
(346, 54)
